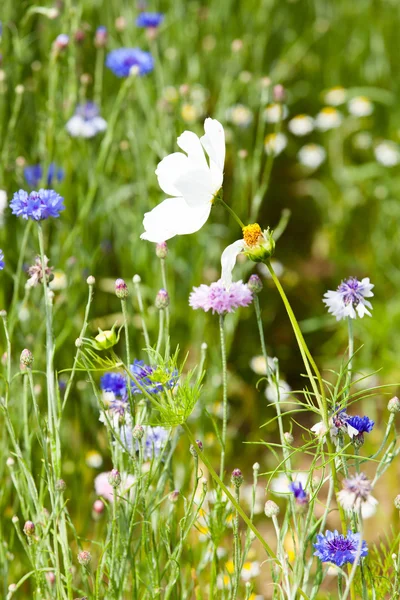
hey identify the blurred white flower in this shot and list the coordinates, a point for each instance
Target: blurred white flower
(387, 153)
(59, 281)
(311, 155)
(280, 484)
(273, 113)
(362, 140)
(335, 96)
(328, 118)
(94, 459)
(104, 489)
(250, 570)
(258, 364)
(271, 392)
(239, 115)
(275, 143)
(301, 125)
(360, 106)
(356, 494)
(191, 180)
(86, 122)
(3, 205)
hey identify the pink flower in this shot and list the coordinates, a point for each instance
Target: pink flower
(219, 298)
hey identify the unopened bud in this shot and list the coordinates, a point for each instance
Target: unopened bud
(255, 284)
(121, 289)
(114, 478)
(29, 528)
(138, 432)
(173, 496)
(98, 507)
(397, 502)
(394, 405)
(84, 558)
(61, 41)
(90, 280)
(136, 279)
(101, 37)
(199, 445)
(279, 93)
(120, 23)
(271, 509)
(288, 437)
(162, 299)
(61, 486)
(26, 358)
(51, 578)
(237, 478)
(162, 250)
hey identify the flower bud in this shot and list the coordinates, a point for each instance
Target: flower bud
(237, 478)
(256, 466)
(61, 486)
(101, 37)
(271, 509)
(61, 41)
(289, 439)
(51, 578)
(84, 558)
(114, 478)
(26, 358)
(173, 496)
(279, 93)
(106, 339)
(138, 432)
(121, 289)
(162, 250)
(98, 507)
(255, 284)
(90, 280)
(136, 279)
(162, 299)
(79, 36)
(29, 528)
(199, 445)
(394, 405)
(397, 502)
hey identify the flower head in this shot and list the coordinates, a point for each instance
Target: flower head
(36, 273)
(149, 20)
(360, 106)
(2, 263)
(86, 122)
(34, 173)
(300, 495)
(312, 155)
(387, 153)
(357, 426)
(152, 379)
(328, 118)
(191, 180)
(349, 300)
(121, 61)
(37, 205)
(356, 493)
(339, 549)
(115, 383)
(220, 298)
(301, 125)
(275, 143)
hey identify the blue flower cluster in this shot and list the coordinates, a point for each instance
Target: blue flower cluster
(37, 205)
(339, 549)
(2, 263)
(121, 61)
(33, 174)
(115, 383)
(149, 20)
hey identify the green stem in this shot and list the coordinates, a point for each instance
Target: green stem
(221, 484)
(167, 313)
(160, 330)
(236, 551)
(350, 363)
(232, 212)
(141, 309)
(17, 276)
(224, 395)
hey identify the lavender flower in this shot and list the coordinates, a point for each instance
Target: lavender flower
(121, 61)
(356, 493)
(152, 379)
(115, 383)
(149, 20)
(2, 263)
(37, 205)
(300, 495)
(33, 174)
(219, 298)
(349, 300)
(339, 549)
(86, 122)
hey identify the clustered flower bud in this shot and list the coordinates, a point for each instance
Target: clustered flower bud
(271, 509)
(255, 284)
(394, 405)
(162, 299)
(138, 432)
(162, 250)
(29, 528)
(26, 358)
(114, 478)
(237, 478)
(121, 289)
(84, 558)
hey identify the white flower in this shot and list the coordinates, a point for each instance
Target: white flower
(356, 494)
(335, 96)
(274, 113)
(3, 205)
(191, 180)
(360, 106)
(275, 143)
(362, 140)
(86, 121)
(249, 570)
(387, 153)
(311, 155)
(280, 484)
(240, 115)
(349, 300)
(301, 125)
(328, 118)
(258, 364)
(271, 392)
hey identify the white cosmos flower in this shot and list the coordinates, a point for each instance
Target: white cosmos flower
(191, 181)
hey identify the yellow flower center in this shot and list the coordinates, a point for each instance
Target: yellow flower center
(252, 234)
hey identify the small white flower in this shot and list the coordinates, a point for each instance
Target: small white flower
(240, 115)
(258, 364)
(191, 180)
(275, 143)
(271, 393)
(311, 155)
(349, 300)
(301, 125)
(328, 118)
(335, 96)
(250, 570)
(360, 106)
(274, 113)
(280, 484)
(387, 153)
(86, 122)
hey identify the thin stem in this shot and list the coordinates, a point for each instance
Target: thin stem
(224, 395)
(236, 551)
(232, 212)
(349, 586)
(350, 363)
(160, 330)
(221, 484)
(167, 313)
(141, 310)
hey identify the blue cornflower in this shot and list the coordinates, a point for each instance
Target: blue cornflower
(37, 205)
(34, 173)
(339, 549)
(115, 383)
(121, 61)
(145, 376)
(2, 263)
(149, 20)
(300, 495)
(362, 424)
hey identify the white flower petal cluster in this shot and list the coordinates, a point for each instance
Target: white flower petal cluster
(349, 300)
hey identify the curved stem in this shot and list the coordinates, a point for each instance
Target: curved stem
(232, 212)
(224, 395)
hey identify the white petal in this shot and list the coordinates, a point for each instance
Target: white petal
(74, 126)
(99, 124)
(190, 143)
(214, 142)
(169, 169)
(173, 217)
(196, 187)
(228, 260)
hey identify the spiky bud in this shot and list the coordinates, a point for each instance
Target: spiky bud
(162, 299)
(84, 558)
(114, 478)
(394, 405)
(271, 509)
(255, 284)
(29, 528)
(162, 250)
(121, 289)
(199, 445)
(138, 432)
(237, 478)
(61, 486)
(173, 496)
(26, 358)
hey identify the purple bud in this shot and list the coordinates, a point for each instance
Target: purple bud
(237, 478)
(255, 284)
(121, 289)
(101, 37)
(279, 93)
(199, 445)
(114, 478)
(162, 299)
(173, 496)
(61, 41)
(98, 507)
(162, 250)
(84, 558)
(26, 358)
(29, 528)
(61, 486)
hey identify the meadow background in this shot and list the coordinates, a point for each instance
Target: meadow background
(209, 58)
